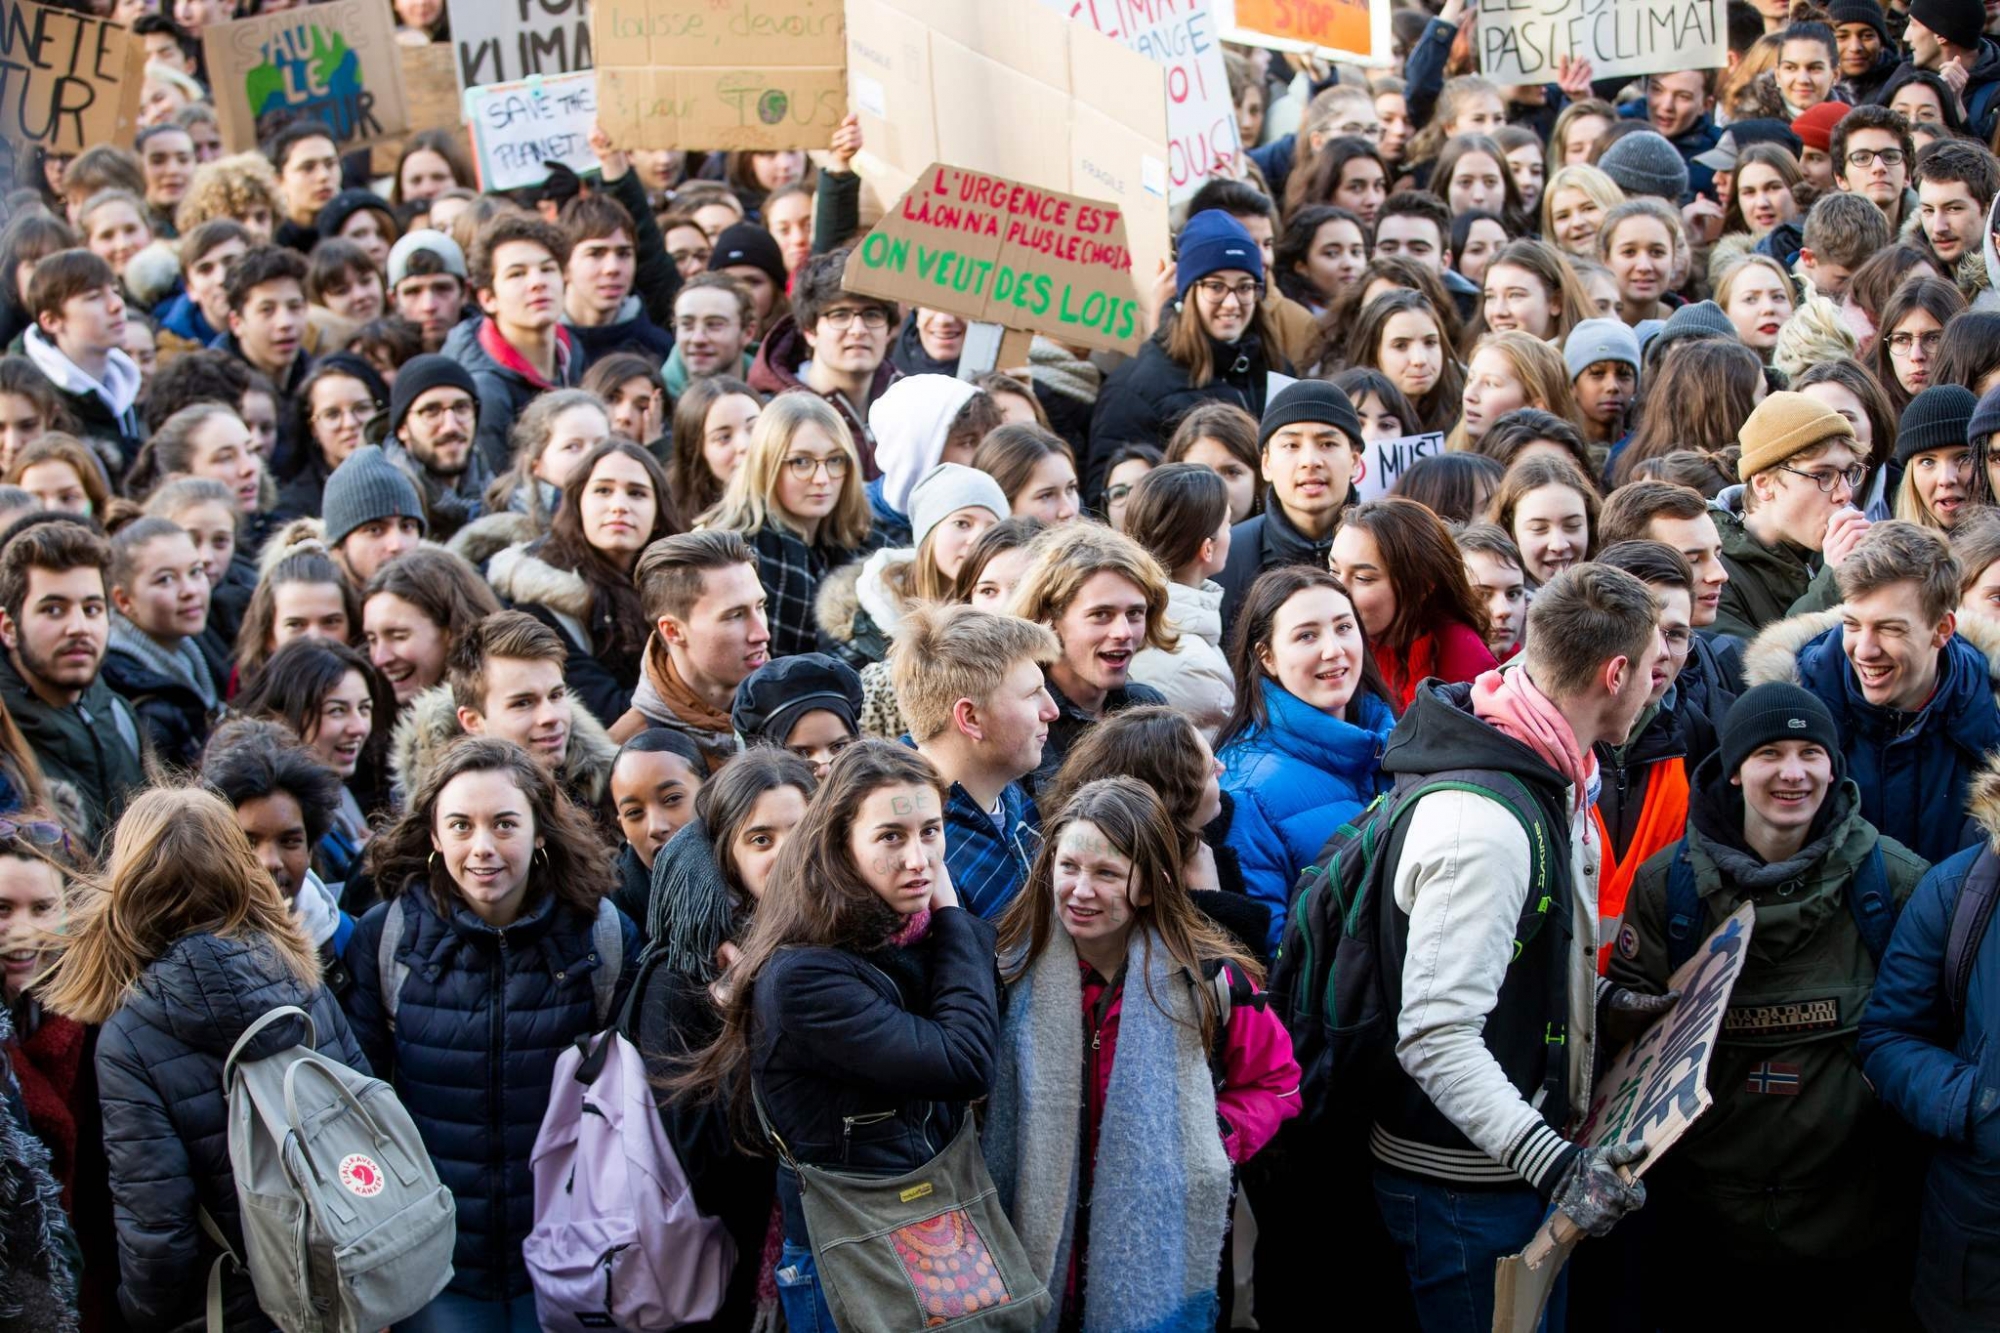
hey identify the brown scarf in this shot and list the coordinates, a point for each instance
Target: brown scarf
(678, 696)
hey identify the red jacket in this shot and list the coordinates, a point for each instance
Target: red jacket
(1454, 653)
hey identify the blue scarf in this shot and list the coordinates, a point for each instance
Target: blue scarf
(1160, 1189)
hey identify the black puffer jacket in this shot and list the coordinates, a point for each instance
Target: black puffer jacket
(166, 1120)
(1145, 397)
(866, 1062)
(480, 1020)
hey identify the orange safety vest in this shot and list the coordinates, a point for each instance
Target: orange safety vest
(1662, 823)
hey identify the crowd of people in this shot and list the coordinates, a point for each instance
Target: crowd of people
(484, 619)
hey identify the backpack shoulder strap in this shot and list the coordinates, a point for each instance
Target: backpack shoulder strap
(1869, 900)
(607, 941)
(1511, 795)
(1685, 914)
(1970, 916)
(392, 969)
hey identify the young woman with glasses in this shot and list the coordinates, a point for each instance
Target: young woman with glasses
(1215, 343)
(339, 405)
(797, 499)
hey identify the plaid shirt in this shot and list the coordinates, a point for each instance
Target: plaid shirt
(790, 571)
(988, 867)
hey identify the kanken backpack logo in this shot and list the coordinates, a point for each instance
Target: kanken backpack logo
(618, 1241)
(346, 1228)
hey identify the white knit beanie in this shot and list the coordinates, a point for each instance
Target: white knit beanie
(948, 488)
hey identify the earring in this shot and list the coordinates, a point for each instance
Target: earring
(432, 864)
(543, 852)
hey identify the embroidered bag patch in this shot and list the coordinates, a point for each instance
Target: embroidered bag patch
(950, 1271)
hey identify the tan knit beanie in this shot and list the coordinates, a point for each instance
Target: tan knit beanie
(1783, 426)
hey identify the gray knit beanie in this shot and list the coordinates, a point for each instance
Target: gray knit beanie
(364, 488)
(1698, 318)
(1645, 163)
(1595, 340)
(948, 488)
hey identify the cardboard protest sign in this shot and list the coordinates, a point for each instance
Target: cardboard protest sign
(994, 250)
(1181, 37)
(338, 63)
(1084, 115)
(1651, 1093)
(746, 74)
(1340, 29)
(1383, 463)
(517, 127)
(430, 89)
(1520, 41)
(67, 80)
(500, 41)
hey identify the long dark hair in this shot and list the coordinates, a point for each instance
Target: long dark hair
(1698, 399)
(816, 899)
(1138, 828)
(615, 603)
(1252, 634)
(1440, 408)
(1295, 246)
(695, 487)
(439, 583)
(1174, 509)
(726, 800)
(1423, 567)
(573, 862)
(1155, 744)
(291, 687)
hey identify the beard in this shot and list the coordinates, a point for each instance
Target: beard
(428, 454)
(64, 675)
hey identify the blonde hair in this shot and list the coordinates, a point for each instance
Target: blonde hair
(1543, 374)
(750, 501)
(179, 866)
(1581, 176)
(1724, 282)
(1814, 336)
(230, 187)
(1063, 559)
(942, 654)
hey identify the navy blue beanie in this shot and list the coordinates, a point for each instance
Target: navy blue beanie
(1212, 242)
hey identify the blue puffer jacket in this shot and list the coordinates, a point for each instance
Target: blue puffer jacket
(1914, 770)
(480, 1020)
(166, 1119)
(1294, 780)
(1942, 1074)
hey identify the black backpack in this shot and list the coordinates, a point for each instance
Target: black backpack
(1328, 984)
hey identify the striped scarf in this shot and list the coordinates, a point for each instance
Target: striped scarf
(1160, 1194)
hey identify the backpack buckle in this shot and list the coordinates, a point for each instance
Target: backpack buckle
(1555, 1034)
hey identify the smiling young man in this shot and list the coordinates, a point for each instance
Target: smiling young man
(970, 685)
(55, 619)
(1955, 182)
(1868, 56)
(1775, 824)
(1948, 38)
(1797, 520)
(834, 344)
(1106, 599)
(702, 594)
(1909, 687)
(600, 308)
(521, 348)
(1308, 444)
(714, 326)
(78, 342)
(504, 679)
(434, 412)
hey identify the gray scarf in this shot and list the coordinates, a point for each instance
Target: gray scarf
(182, 663)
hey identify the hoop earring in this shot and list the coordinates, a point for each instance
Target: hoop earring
(543, 852)
(432, 864)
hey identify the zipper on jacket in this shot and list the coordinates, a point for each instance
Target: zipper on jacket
(847, 1124)
(496, 1156)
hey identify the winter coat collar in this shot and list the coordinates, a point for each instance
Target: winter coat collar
(206, 990)
(509, 359)
(119, 389)
(430, 723)
(182, 664)
(519, 574)
(1197, 611)
(1349, 749)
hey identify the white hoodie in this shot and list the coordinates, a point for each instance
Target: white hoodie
(118, 391)
(909, 421)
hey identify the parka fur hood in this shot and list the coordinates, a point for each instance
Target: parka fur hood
(430, 724)
(490, 534)
(519, 575)
(1982, 802)
(1775, 653)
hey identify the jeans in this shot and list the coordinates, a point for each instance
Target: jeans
(1451, 1237)
(799, 1292)
(453, 1313)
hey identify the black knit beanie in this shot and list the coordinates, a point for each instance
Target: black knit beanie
(747, 244)
(1860, 11)
(1959, 22)
(1310, 400)
(1940, 417)
(1777, 711)
(418, 376)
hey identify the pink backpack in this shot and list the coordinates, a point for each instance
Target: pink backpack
(618, 1242)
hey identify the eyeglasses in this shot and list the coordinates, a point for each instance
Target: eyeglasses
(1829, 482)
(1217, 291)
(1357, 130)
(431, 413)
(690, 257)
(331, 417)
(1900, 344)
(1861, 157)
(1118, 494)
(803, 466)
(41, 832)
(874, 318)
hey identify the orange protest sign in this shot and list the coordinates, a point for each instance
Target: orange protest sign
(1339, 25)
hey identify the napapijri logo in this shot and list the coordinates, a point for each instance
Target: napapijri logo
(1796, 723)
